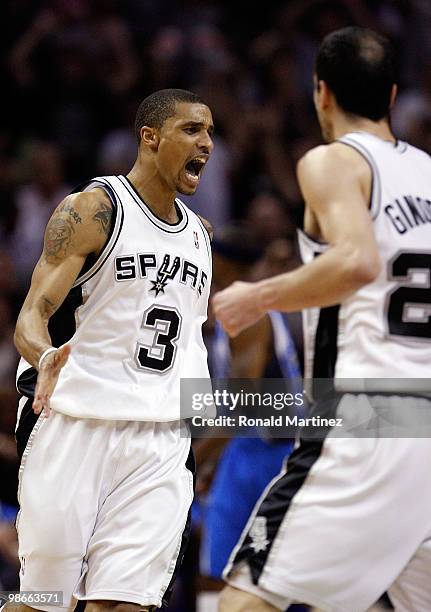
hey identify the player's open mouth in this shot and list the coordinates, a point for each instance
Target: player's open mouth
(193, 169)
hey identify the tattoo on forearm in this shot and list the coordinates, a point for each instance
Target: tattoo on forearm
(48, 307)
(103, 218)
(59, 232)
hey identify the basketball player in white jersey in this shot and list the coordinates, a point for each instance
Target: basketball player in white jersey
(350, 518)
(111, 323)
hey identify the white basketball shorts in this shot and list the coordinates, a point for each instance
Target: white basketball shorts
(104, 508)
(347, 520)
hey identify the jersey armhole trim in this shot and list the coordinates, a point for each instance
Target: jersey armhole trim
(376, 189)
(110, 244)
(316, 245)
(206, 237)
(201, 219)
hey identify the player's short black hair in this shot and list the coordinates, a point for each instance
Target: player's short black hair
(159, 106)
(358, 66)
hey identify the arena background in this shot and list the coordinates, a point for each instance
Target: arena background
(73, 73)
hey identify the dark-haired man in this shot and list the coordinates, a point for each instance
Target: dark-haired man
(350, 517)
(121, 292)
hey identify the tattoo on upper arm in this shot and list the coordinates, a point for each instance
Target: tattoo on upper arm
(65, 207)
(103, 218)
(59, 232)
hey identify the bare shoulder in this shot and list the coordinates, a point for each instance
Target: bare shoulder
(79, 224)
(88, 203)
(208, 226)
(335, 161)
(94, 207)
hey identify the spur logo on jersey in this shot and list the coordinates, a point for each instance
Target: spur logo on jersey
(165, 273)
(143, 265)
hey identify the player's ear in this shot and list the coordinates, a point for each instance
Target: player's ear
(325, 94)
(150, 137)
(394, 92)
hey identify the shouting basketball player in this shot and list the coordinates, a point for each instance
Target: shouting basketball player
(111, 323)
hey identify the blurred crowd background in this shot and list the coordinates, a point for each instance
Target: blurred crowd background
(73, 74)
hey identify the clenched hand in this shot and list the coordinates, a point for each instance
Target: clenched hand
(237, 307)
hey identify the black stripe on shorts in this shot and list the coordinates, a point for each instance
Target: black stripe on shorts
(264, 527)
(191, 466)
(26, 423)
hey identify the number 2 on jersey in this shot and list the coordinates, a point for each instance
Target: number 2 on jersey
(409, 307)
(159, 356)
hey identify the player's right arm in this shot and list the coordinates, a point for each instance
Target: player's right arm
(79, 226)
(335, 182)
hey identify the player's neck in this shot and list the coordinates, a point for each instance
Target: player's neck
(344, 125)
(158, 198)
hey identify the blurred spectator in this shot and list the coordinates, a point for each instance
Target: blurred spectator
(213, 199)
(279, 256)
(268, 218)
(7, 210)
(72, 29)
(167, 65)
(76, 63)
(9, 562)
(412, 113)
(8, 455)
(35, 201)
(117, 152)
(8, 354)
(7, 276)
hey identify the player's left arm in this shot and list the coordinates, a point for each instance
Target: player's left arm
(332, 181)
(78, 227)
(207, 225)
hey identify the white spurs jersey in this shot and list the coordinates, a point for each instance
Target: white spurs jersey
(134, 318)
(383, 331)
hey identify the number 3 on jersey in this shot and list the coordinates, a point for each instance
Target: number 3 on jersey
(159, 356)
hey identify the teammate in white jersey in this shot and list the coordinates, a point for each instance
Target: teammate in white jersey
(350, 517)
(110, 325)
